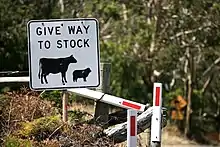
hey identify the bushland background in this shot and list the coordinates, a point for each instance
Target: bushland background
(173, 42)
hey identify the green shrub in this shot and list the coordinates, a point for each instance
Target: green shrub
(39, 129)
(4, 102)
(12, 141)
(77, 115)
(55, 96)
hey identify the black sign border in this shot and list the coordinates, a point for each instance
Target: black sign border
(29, 52)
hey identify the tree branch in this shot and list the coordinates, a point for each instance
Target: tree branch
(106, 26)
(125, 16)
(211, 66)
(189, 32)
(205, 86)
(61, 6)
(157, 18)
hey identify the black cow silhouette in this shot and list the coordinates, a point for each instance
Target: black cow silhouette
(54, 66)
(84, 73)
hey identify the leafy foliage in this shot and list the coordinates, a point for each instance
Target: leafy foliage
(16, 142)
(39, 129)
(53, 96)
(77, 116)
(173, 42)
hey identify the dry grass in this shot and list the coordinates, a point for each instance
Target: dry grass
(88, 108)
(170, 134)
(23, 120)
(82, 107)
(20, 106)
(171, 137)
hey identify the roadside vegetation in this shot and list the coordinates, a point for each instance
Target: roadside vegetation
(173, 42)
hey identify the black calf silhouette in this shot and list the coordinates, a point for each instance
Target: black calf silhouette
(81, 74)
(54, 66)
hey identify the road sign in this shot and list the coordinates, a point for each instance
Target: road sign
(63, 53)
(177, 115)
(178, 103)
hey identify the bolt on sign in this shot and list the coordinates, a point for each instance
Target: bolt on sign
(63, 53)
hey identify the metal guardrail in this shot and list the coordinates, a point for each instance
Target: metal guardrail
(13, 73)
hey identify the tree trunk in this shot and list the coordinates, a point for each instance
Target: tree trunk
(188, 110)
(190, 79)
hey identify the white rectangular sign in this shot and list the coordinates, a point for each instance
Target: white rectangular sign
(63, 53)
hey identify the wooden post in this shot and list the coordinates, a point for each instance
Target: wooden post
(65, 93)
(65, 103)
(102, 109)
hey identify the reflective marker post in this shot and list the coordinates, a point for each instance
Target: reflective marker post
(131, 128)
(156, 117)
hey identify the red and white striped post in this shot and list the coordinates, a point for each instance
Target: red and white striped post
(131, 128)
(156, 117)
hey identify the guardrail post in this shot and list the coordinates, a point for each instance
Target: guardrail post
(102, 109)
